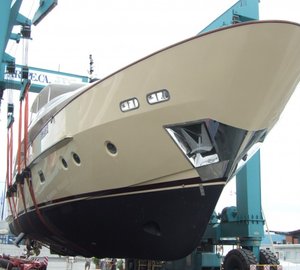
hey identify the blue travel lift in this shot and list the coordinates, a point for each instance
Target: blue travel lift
(242, 225)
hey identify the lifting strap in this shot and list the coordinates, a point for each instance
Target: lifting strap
(11, 188)
(9, 164)
(23, 145)
(51, 228)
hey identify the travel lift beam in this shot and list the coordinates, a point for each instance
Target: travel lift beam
(241, 225)
(10, 73)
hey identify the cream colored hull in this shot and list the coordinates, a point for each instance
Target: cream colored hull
(241, 76)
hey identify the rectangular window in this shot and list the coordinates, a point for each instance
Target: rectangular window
(158, 96)
(129, 105)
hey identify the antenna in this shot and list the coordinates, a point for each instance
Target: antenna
(91, 67)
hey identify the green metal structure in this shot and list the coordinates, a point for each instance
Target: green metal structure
(12, 76)
(241, 11)
(241, 225)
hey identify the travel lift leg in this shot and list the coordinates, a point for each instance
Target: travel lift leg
(243, 225)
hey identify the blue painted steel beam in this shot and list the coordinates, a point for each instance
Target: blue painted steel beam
(249, 210)
(5, 6)
(45, 7)
(9, 17)
(242, 11)
(4, 22)
(39, 78)
(249, 193)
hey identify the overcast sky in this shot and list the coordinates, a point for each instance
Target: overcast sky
(118, 32)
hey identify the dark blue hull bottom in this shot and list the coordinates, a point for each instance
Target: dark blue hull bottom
(161, 225)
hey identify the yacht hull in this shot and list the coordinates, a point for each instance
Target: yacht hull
(139, 225)
(133, 165)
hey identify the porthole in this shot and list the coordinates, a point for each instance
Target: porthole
(111, 148)
(76, 158)
(64, 163)
(42, 176)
